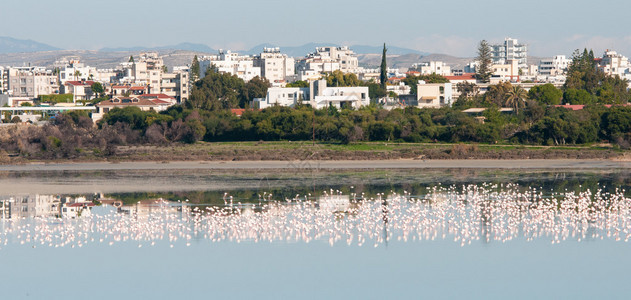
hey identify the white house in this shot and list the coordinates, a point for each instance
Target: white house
(317, 95)
(433, 67)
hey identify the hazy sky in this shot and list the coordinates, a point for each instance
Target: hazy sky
(453, 27)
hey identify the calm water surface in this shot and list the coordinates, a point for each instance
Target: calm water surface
(302, 234)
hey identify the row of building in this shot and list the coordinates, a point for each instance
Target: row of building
(145, 81)
(69, 76)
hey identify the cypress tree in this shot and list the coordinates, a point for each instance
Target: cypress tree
(195, 69)
(384, 68)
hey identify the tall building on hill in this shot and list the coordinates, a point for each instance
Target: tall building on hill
(510, 50)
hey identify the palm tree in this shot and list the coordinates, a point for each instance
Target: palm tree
(515, 98)
(77, 74)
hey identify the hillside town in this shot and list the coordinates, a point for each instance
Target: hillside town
(33, 93)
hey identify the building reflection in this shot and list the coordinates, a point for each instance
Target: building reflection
(476, 213)
(334, 203)
(44, 206)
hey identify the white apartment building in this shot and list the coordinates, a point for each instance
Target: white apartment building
(329, 59)
(511, 49)
(554, 66)
(76, 71)
(275, 66)
(432, 67)
(434, 95)
(30, 206)
(317, 95)
(613, 64)
(3, 80)
(175, 84)
(232, 63)
(30, 82)
(147, 70)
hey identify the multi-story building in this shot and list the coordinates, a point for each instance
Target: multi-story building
(30, 206)
(232, 63)
(317, 95)
(329, 59)
(148, 70)
(3, 80)
(74, 70)
(506, 71)
(275, 66)
(511, 49)
(175, 84)
(30, 82)
(613, 64)
(553, 66)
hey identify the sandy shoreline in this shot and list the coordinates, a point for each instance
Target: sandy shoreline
(328, 165)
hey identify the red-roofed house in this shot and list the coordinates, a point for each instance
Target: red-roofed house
(143, 102)
(121, 90)
(571, 106)
(239, 111)
(81, 90)
(395, 80)
(466, 77)
(162, 97)
(581, 106)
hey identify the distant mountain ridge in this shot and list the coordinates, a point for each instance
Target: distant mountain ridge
(12, 45)
(303, 50)
(180, 46)
(14, 50)
(293, 51)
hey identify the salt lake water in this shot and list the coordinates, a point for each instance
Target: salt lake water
(315, 234)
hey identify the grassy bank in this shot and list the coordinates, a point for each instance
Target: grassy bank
(285, 150)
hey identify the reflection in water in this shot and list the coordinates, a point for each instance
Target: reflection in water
(31, 206)
(486, 212)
